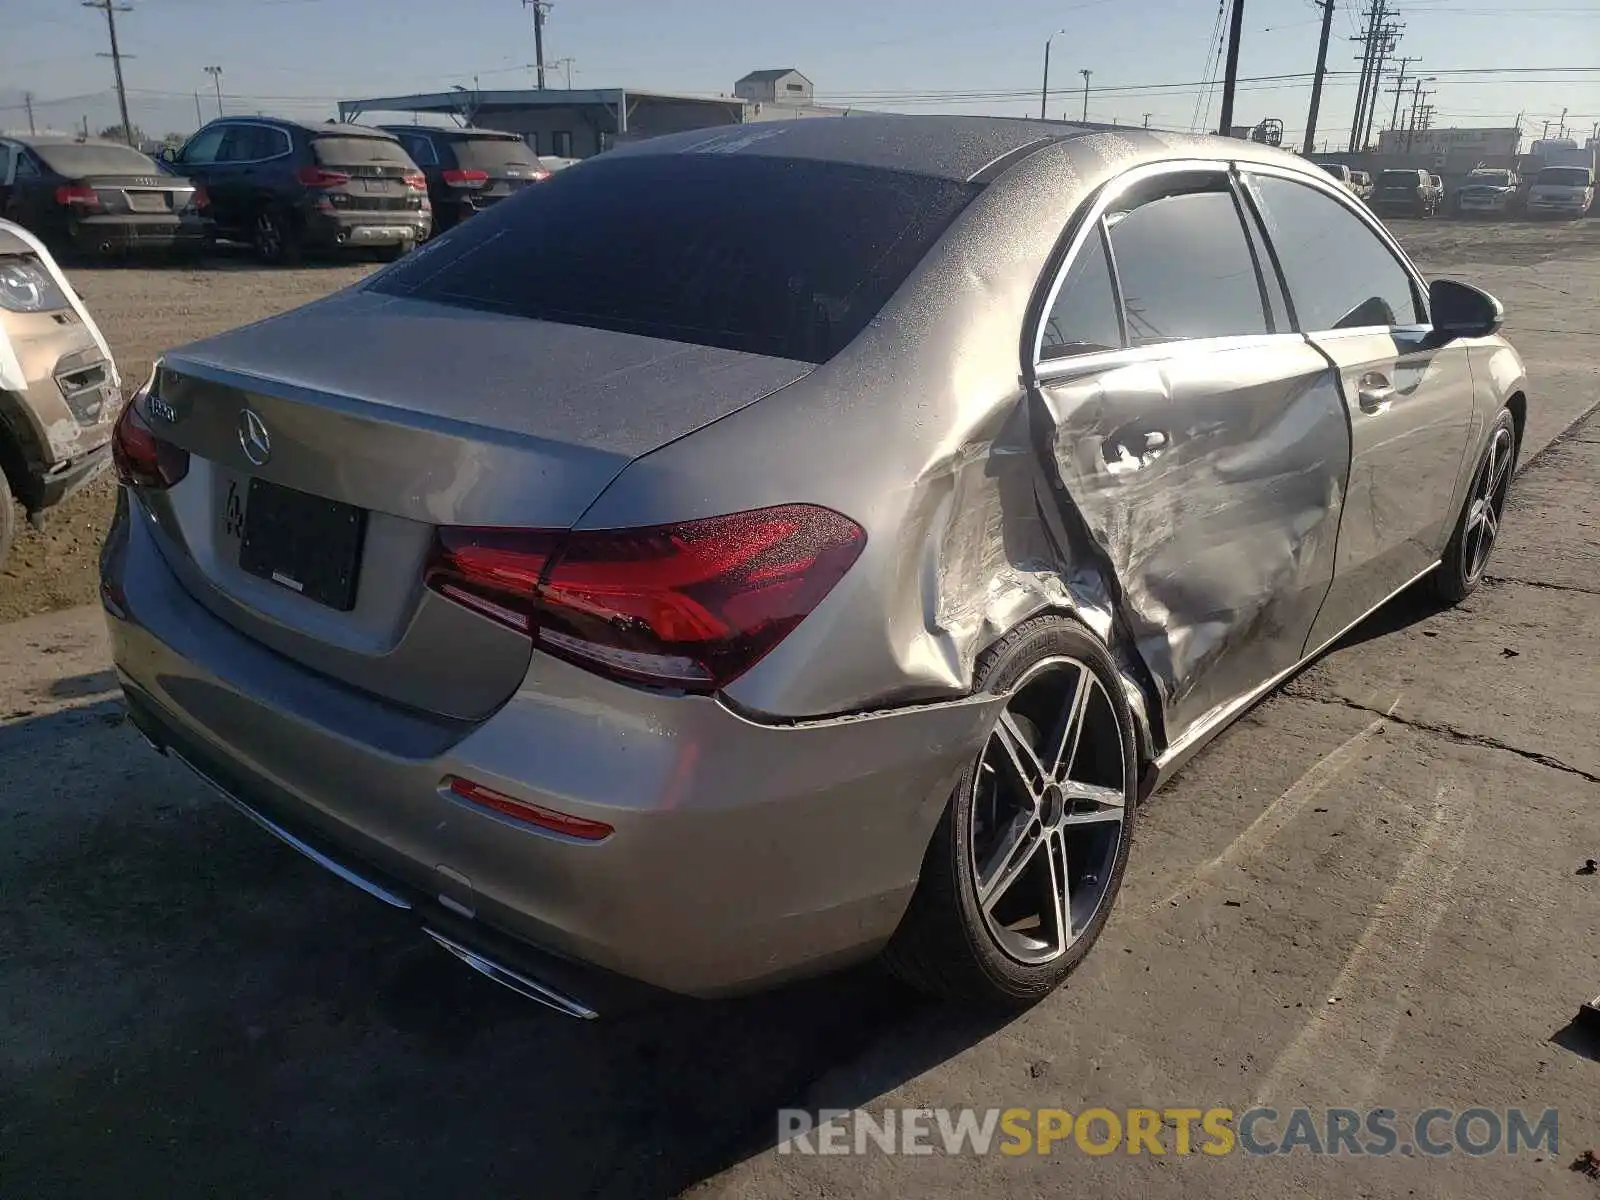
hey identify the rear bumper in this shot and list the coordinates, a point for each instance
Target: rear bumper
(139, 232)
(71, 478)
(356, 229)
(743, 854)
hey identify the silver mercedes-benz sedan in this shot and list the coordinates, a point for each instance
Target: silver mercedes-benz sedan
(760, 549)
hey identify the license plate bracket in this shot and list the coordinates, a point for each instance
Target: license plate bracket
(307, 544)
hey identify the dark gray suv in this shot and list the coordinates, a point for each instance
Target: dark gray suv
(285, 187)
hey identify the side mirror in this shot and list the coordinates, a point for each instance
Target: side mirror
(1463, 311)
(168, 155)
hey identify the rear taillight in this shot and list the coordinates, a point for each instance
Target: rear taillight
(321, 177)
(463, 178)
(141, 458)
(692, 605)
(200, 199)
(77, 195)
(416, 181)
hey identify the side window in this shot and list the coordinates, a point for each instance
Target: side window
(1084, 317)
(26, 167)
(205, 146)
(421, 150)
(235, 144)
(1339, 272)
(1185, 269)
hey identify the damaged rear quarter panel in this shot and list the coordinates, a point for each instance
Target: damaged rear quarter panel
(1202, 576)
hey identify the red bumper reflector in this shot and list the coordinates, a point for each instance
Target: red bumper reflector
(531, 814)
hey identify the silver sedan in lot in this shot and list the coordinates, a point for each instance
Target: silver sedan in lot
(759, 549)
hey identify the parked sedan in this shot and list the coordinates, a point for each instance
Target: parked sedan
(59, 389)
(468, 169)
(616, 583)
(91, 195)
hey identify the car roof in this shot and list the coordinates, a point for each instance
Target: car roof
(38, 140)
(453, 134)
(962, 148)
(314, 128)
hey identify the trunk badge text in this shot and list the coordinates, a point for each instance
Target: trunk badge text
(253, 439)
(160, 408)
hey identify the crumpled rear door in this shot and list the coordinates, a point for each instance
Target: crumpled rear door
(1212, 481)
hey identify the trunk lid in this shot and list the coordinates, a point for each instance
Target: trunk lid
(375, 170)
(508, 162)
(141, 195)
(407, 415)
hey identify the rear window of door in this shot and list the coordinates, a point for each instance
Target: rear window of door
(1185, 268)
(1084, 316)
(1340, 273)
(774, 256)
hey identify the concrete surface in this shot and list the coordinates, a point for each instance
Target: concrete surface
(190, 1009)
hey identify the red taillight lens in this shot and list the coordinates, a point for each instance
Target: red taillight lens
(692, 605)
(457, 177)
(201, 198)
(533, 814)
(417, 181)
(77, 194)
(141, 458)
(320, 177)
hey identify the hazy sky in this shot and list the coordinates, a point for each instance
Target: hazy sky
(297, 57)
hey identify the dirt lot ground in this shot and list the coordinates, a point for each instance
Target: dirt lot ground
(1368, 893)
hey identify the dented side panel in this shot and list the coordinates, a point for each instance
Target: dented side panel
(1213, 482)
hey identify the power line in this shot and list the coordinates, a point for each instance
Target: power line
(111, 9)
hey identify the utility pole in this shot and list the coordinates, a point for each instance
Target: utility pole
(1322, 70)
(27, 103)
(1399, 89)
(216, 80)
(1044, 86)
(199, 120)
(1086, 75)
(1416, 110)
(1388, 39)
(1369, 42)
(111, 9)
(540, 7)
(1562, 131)
(1147, 117)
(1231, 79)
(565, 64)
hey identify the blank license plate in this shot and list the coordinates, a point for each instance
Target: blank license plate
(304, 543)
(147, 201)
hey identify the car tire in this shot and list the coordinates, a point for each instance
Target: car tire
(1466, 557)
(274, 238)
(8, 519)
(967, 935)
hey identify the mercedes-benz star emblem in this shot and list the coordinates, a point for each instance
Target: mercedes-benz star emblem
(253, 438)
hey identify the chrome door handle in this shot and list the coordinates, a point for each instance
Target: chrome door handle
(1374, 392)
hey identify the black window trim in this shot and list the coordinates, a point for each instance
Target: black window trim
(1419, 286)
(1091, 217)
(227, 123)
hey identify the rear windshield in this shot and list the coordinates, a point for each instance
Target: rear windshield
(485, 154)
(1337, 172)
(1398, 179)
(1496, 178)
(1565, 176)
(86, 158)
(773, 256)
(338, 151)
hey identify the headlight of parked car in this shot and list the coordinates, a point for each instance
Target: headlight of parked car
(25, 286)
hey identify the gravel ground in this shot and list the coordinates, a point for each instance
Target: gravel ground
(143, 311)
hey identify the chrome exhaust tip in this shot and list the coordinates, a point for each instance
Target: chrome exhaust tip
(528, 989)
